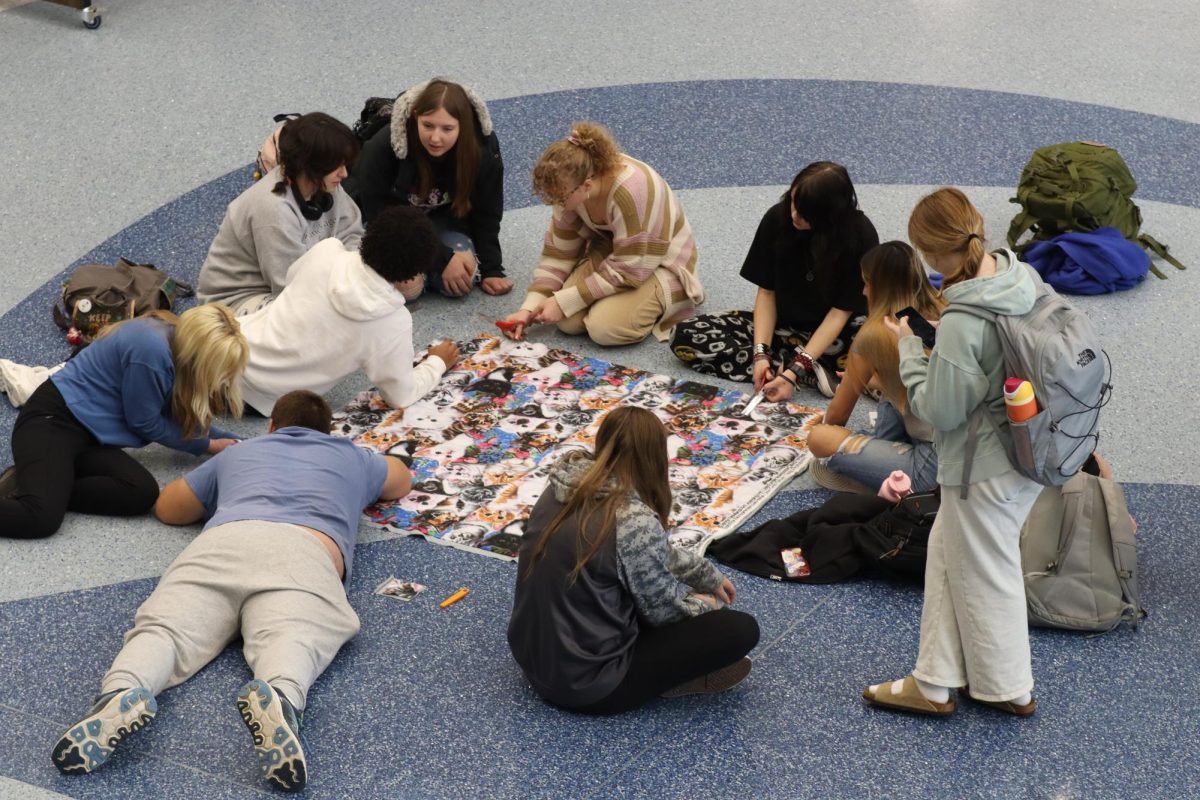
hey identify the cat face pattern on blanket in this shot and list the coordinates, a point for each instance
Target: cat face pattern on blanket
(480, 444)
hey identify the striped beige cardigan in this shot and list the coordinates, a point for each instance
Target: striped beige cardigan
(647, 238)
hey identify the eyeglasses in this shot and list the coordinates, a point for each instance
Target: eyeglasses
(561, 200)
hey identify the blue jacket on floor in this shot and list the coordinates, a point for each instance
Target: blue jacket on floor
(1092, 262)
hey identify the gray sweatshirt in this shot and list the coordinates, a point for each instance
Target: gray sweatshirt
(574, 642)
(967, 368)
(262, 234)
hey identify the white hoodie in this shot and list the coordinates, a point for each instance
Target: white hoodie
(335, 315)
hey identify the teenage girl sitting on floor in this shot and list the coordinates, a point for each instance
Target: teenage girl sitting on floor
(439, 154)
(160, 378)
(805, 261)
(274, 222)
(893, 279)
(607, 613)
(619, 259)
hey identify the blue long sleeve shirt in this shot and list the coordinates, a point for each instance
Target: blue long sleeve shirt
(119, 388)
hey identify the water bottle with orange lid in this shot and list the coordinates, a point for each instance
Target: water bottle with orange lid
(1019, 400)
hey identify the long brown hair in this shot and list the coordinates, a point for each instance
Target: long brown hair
(451, 98)
(944, 222)
(897, 280)
(630, 459)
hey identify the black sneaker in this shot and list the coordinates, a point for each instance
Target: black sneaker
(8, 482)
(819, 378)
(114, 715)
(275, 726)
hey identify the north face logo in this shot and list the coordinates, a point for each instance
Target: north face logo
(1086, 357)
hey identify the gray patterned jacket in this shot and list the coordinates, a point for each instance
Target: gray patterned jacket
(657, 573)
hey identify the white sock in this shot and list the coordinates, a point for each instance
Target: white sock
(1023, 700)
(931, 692)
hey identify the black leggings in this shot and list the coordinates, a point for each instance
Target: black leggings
(61, 466)
(666, 657)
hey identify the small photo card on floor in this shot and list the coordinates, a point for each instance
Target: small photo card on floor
(401, 590)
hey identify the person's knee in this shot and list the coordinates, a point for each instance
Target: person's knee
(824, 440)
(143, 494)
(608, 335)
(744, 631)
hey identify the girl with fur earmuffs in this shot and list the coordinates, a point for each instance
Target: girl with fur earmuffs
(440, 154)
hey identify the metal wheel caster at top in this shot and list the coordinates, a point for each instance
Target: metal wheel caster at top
(91, 17)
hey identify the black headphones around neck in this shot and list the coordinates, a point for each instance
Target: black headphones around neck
(314, 208)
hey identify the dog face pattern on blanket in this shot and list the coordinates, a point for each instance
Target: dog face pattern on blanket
(480, 444)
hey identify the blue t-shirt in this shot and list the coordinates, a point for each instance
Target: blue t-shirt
(119, 388)
(293, 475)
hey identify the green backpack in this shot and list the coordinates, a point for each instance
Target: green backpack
(1079, 186)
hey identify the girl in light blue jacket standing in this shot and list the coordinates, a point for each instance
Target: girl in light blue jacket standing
(974, 633)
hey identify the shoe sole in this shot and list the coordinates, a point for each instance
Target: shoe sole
(90, 742)
(718, 681)
(835, 481)
(280, 755)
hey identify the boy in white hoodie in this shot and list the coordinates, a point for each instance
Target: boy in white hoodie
(343, 310)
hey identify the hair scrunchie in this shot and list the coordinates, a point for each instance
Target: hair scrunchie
(573, 139)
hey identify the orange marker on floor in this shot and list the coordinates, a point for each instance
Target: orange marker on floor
(454, 598)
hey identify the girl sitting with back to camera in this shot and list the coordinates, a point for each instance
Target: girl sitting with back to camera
(805, 261)
(440, 154)
(298, 203)
(619, 259)
(608, 614)
(893, 279)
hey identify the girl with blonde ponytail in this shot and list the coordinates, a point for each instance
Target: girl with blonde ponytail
(159, 378)
(973, 625)
(619, 259)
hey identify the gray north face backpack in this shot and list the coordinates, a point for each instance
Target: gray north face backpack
(1056, 348)
(1079, 557)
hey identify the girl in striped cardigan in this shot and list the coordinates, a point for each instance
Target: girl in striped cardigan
(619, 258)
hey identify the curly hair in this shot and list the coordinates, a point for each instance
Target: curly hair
(588, 151)
(399, 244)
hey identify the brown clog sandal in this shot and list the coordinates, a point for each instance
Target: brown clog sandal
(910, 699)
(1007, 706)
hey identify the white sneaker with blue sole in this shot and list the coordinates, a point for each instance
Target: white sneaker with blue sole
(275, 726)
(89, 742)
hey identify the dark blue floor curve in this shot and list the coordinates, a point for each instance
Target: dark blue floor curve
(424, 695)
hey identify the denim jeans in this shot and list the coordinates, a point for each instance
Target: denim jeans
(869, 459)
(459, 243)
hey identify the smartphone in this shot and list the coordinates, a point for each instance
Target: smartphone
(919, 326)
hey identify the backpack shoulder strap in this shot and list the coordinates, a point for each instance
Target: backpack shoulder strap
(1021, 223)
(1124, 547)
(1148, 242)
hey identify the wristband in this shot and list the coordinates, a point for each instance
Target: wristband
(760, 357)
(760, 348)
(803, 359)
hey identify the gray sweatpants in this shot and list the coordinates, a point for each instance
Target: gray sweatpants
(274, 583)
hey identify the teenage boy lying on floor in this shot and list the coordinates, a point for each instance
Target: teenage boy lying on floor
(271, 564)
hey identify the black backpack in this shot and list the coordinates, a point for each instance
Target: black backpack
(376, 113)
